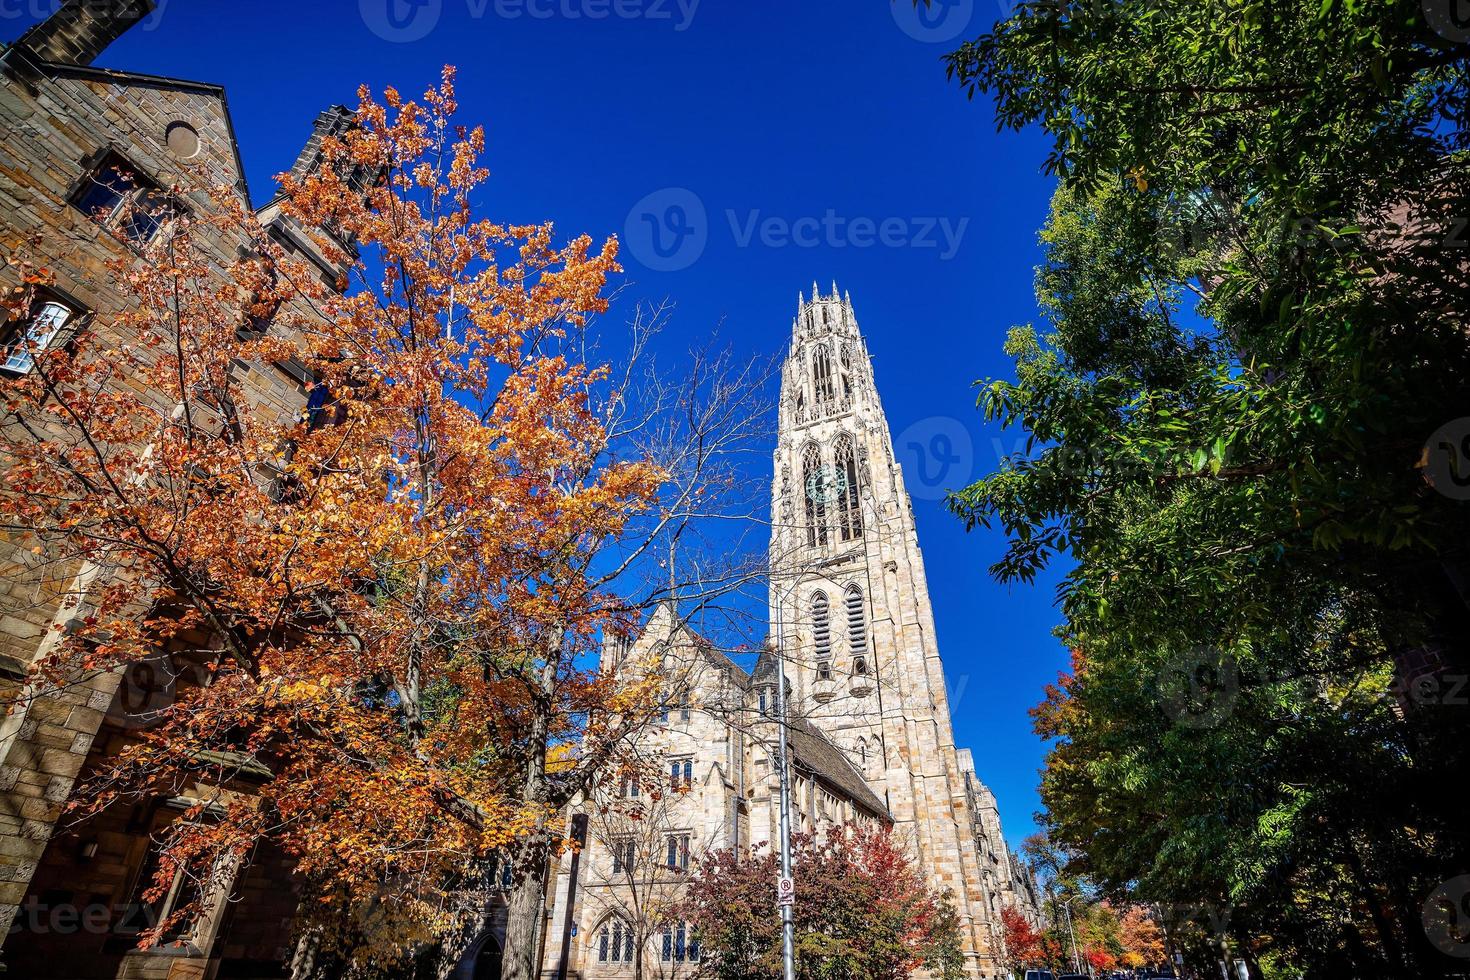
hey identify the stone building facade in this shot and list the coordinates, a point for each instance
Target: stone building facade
(73, 136)
(872, 737)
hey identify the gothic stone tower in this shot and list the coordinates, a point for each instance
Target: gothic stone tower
(850, 604)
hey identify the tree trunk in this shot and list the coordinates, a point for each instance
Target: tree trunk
(523, 919)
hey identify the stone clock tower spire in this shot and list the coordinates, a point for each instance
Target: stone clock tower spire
(850, 603)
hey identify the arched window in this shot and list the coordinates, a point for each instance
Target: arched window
(615, 941)
(862, 754)
(822, 635)
(857, 630)
(849, 511)
(816, 503)
(822, 390)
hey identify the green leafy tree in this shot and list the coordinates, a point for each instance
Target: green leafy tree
(1248, 432)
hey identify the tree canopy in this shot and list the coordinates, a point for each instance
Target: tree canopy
(1247, 424)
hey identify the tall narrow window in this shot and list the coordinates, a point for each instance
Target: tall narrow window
(849, 512)
(615, 942)
(822, 379)
(624, 856)
(681, 774)
(814, 491)
(822, 634)
(677, 852)
(680, 945)
(857, 630)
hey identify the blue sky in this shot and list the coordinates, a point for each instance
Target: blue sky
(820, 140)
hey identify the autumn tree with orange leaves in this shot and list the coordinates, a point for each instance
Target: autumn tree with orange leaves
(390, 598)
(1020, 943)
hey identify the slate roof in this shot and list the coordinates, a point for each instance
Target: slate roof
(813, 751)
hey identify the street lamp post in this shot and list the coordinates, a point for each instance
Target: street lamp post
(1072, 936)
(788, 921)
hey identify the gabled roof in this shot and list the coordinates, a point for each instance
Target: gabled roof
(813, 751)
(707, 648)
(61, 69)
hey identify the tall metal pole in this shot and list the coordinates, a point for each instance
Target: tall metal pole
(1067, 908)
(788, 921)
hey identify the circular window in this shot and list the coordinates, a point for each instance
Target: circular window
(183, 140)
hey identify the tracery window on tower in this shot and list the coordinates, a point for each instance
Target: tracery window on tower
(857, 630)
(849, 508)
(822, 635)
(816, 504)
(822, 388)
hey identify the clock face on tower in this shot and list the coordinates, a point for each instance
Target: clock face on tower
(826, 484)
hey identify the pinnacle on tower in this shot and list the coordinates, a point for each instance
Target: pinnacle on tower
(834, 288)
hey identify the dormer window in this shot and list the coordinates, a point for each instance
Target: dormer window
(109, 184)
(116, 197)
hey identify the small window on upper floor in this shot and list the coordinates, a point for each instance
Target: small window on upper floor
(22, 341)
(681, 774)
(114, 195)
(675, 706)
(624, 855)
(676, 852)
